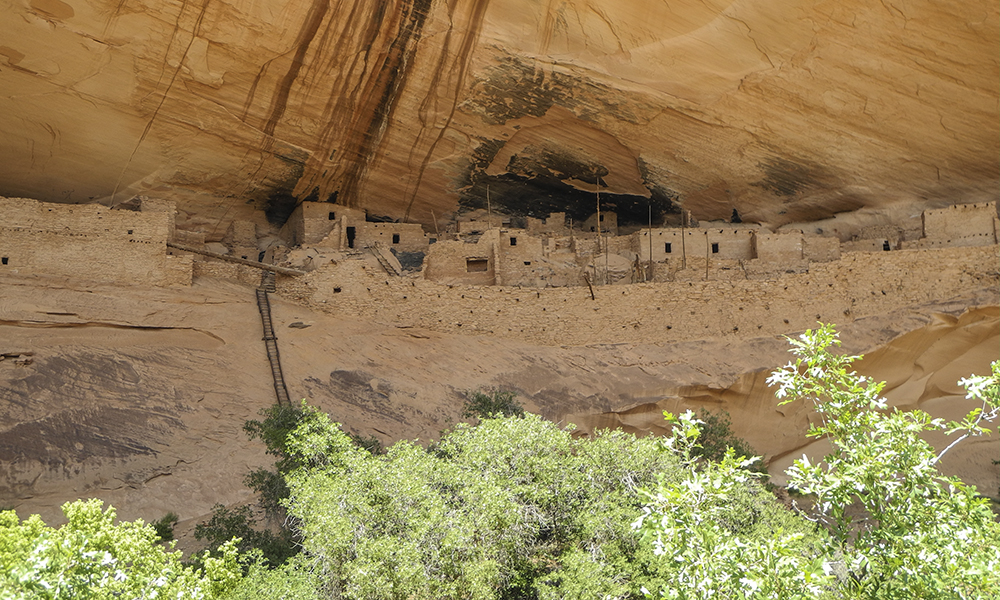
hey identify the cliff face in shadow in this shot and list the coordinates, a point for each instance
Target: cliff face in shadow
(786, 110)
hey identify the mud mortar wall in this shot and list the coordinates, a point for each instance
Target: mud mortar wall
(963, 222)
(89, 241)
(855, 286)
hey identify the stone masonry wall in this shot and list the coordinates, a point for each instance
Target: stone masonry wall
(89, 241)
(961, 221)
(855, 286)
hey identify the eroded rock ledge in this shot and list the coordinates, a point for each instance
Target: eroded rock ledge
(785, 110)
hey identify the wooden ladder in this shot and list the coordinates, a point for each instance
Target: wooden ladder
(271, 345)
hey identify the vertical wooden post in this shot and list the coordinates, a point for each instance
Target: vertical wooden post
(650, 275)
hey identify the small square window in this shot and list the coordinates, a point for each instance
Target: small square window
(395, 238)
(332, 216)
(477, 265)
(715, 248)
(527, 263)
(4, 260)
(666, 247)
(513, 241)
(130, 232)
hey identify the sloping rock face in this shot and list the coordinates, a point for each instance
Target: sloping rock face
(788, 110)
(138, 396)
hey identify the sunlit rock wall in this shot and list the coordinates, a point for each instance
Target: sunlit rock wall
(786, 110)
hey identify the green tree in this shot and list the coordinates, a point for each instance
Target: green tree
(93, 557)
(510, 508)
(275, 547)
(923, 535)
(699, 525)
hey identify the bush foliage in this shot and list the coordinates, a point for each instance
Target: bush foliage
(518, 508)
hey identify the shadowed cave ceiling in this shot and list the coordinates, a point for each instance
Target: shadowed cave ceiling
(787, 110)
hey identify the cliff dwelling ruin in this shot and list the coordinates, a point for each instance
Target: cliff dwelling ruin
(614, 207)
(498, 275)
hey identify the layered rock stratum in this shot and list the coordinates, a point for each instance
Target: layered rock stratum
(137, 395)
(781, 113)
(789, 110)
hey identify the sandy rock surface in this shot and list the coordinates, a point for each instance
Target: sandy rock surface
(786, 110)
(138, 395)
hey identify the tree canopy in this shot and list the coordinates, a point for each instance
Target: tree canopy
(516, 507)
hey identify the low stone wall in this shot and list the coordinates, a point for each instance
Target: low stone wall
(855, 286)
(89, 241)
(226, 270)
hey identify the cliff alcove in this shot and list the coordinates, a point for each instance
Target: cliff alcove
(787, 111)
(127, 369)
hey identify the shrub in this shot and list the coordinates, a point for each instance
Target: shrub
(164, 527)
(483, 405)
(717, 437)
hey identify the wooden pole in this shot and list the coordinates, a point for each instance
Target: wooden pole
(607, 275)
(239, 261)
(707, 247)
(489, 210)
(650, 204)
(684, 256)
(436, 232)
(598, 218)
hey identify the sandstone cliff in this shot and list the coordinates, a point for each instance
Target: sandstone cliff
(137, 396)
(787, 110)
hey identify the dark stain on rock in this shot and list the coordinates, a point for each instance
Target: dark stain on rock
(279, 203)
(358, 389)
(279, 103)
(80, 435)
(379, 92)
(535, 185)
(783, 177)
(516, 88)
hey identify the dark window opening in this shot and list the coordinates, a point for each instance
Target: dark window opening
(592, 229)
(432, 241)
(527, 263)
(513, 241)
(715, 248)
(666, 247)
(336, 290)
(130, 232)
(332, 216)
(244, 257)
(4, 260)
(601, 218)
(350, 237)
(885, 246)
(477, 265)
(260, 256)
(395, 238)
